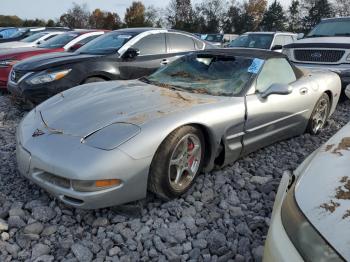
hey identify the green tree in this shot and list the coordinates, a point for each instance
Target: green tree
(76, 17)
(10, 20)
(316, 10)
(294, 17)
(274, 18)
(180, 15)
(254, 12)
(50, 23)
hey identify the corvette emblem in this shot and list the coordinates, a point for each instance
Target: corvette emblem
(38, 132)
(13, 75)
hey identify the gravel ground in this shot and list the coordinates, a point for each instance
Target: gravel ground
(225, 216)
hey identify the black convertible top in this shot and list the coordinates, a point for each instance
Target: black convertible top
(247, 52)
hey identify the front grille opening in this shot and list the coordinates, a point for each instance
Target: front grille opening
(321, 55)
(73, 200)
(16, 75)
(55, 180)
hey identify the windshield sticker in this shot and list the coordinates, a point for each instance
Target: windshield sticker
(255, 66)
(124, 36)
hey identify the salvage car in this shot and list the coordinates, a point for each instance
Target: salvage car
(122, 54)
(69, 41)
(264, 40)
(104, 144)
(311, 215)
(31, 41)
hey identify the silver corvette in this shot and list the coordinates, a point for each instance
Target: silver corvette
(104, 144)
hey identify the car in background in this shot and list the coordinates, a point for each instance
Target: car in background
(215, 39)
(311, 215)
(69, 41)
(28, 31)
(105, 144)
(31, 41)
(327, 46)
(122, 54)
(7, 32)
(264, 40)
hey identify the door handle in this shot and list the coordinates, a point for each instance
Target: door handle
(303, 91)
(164, 62)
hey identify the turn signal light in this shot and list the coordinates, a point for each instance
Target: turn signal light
(107, 183)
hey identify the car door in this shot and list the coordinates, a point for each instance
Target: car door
(180, 44)
(275, 117)
(152, 50)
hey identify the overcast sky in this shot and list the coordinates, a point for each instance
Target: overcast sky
(54, 8)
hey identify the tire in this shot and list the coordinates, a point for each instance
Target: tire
(177, 162)
(319, 115)
(94, 80)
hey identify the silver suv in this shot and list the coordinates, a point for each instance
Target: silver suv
(327, 46)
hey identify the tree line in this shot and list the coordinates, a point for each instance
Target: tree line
(208, 16)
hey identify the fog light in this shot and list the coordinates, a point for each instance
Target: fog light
(94, 185)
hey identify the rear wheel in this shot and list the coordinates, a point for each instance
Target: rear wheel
(177, 162)
(94, 80)
(319, 115)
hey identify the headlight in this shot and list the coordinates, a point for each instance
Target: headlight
(309, 243)
(112, 136)
(9, 62)
(46, 77)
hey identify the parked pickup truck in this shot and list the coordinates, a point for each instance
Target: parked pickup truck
(327, 46)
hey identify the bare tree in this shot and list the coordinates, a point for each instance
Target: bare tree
(76, 17)
(342, 7)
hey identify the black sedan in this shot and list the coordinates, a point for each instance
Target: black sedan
(122, 54)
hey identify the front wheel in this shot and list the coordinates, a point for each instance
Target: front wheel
(177, 162)
(319, 115)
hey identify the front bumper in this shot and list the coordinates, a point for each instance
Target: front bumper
(343, 70)
(278, 246)
(66, 157)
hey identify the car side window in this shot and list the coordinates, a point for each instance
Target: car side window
(151, 45)
(49, 37)
(275, 71)
(86, 40)
(279, 40)
(177, 43)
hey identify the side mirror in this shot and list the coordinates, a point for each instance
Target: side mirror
(347, 91)
(38, 43)
(131, 53)
(74, 47)
(277, 89)
(300, 36)
(276, 47)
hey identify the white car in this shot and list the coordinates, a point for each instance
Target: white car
(311, 215)
(32, 40)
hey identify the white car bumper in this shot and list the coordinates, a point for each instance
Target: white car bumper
(278, 246)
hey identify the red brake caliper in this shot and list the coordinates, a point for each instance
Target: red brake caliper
(190, 147)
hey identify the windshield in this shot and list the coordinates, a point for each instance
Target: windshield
(261, 41)
(214, 38)
(206, 73)
(33, 38)
(59, 41)
(331, 28)
(108, 43)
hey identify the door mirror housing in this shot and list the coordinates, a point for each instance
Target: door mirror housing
(131, 53)
(277, 89)
(276, 47)
(300, 36)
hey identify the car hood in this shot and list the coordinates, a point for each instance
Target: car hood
(16, 44)
(323, 192)
(22, 51)
(52, 60)
(85, 109)
(322, 42)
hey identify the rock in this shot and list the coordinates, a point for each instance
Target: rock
(100, 222)
(200, 243)
(40, 250)
(3, 225)
(17, 212)
(45, 258)
(49, 230)
(15, 222)
(82, 253)
(35, 228)
(260, 180)
(43, 213)
(207, 195)
(114, 251)
(195, 253)
(216, 240)
(258, 253)
(5, 236)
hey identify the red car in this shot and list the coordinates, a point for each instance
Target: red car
(69, 41)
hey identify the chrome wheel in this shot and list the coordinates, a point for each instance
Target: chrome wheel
(320, 115)
(185, 161)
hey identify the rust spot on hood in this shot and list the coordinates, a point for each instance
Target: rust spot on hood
(329, 147)
(343, 145)
(181, 99)
(331, 207)
(343, 192)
